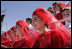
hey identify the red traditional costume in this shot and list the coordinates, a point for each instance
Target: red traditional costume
(28, 33)
(58, 37)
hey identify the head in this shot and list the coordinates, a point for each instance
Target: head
(37, 22)
(13, 29)
(66, 12)
(51, 10)
(54, 4)
(58, 8)
(28, 20)
(20, 27)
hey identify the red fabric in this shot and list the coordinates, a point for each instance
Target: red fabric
(55, 24)
(11, 43)
(24, 29)
(2, 47)
(28, 33)
(9, 31)
(13, 28)
(2, 37)
(59, 16)
(33, 34)
(23, 25)
(63, 5)
(19, 43)
(6, 42)
(49, 39)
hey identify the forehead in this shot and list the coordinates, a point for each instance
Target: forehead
(66, 11)
(17, 26)
(35, 16)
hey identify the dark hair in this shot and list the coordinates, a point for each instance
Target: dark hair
(64, 10)
(59, 7)
(49, 8)
(46, 25)
(42, 10)
(54, 3)
(29, 19)
(52, 11)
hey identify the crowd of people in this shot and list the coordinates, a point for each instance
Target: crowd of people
(48, 28)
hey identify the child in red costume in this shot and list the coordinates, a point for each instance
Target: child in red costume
(25, 35)
(58, 37)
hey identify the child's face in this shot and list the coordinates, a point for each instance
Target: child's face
(66, 13)
(37, 22)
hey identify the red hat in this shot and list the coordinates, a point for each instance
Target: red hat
(9, 31)
(63, 5)
(6, 33)
(13, 28)
(23, 26)
(42, 13)
(51, 20)
(2, 36)
(21, 23)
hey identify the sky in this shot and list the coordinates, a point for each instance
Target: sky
(20, 10)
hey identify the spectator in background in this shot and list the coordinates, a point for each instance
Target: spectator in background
(59, 12)
(59, 15)
(54, 6)
(67, 14)
(51, 10)
(29, 21)
(58, 9)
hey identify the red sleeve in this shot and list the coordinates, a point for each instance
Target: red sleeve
(56, 40)
(19, 44)
(36, 44)
(41, 42)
